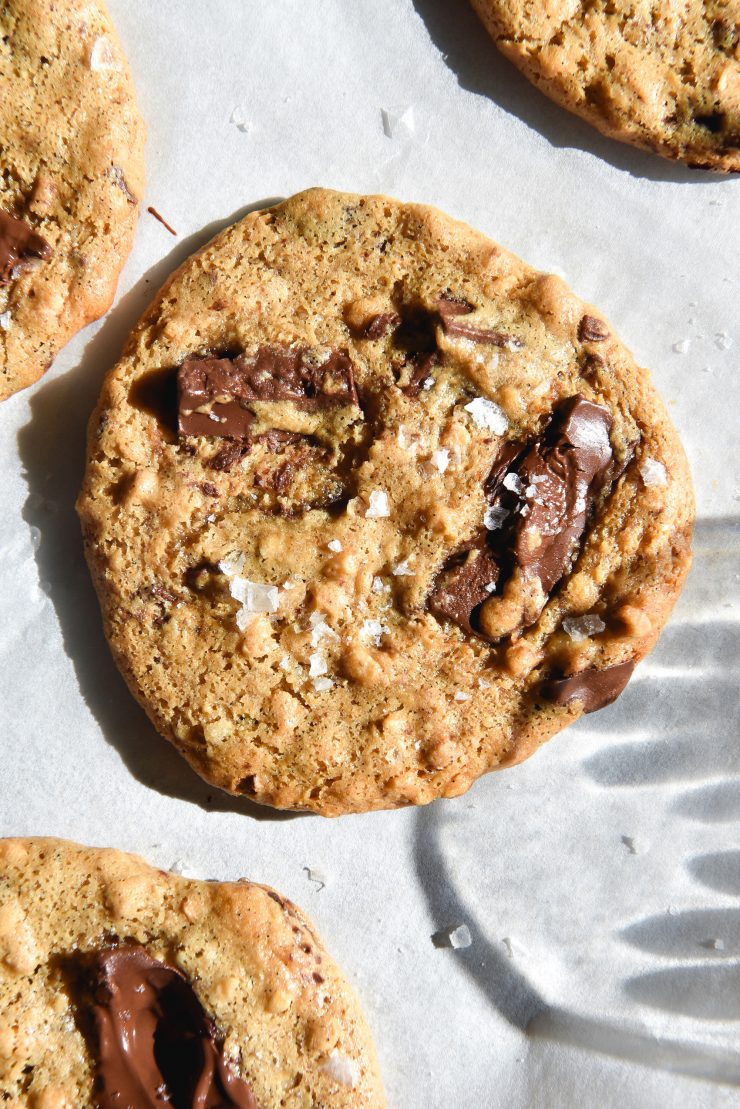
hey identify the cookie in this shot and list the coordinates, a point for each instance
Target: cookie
(372, 507)
(663, 77)
(122, 986)
(71, 175)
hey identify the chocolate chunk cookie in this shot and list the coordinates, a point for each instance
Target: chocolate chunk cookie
(373, 508)
(662, 76)
(122, 986)
(71, 175)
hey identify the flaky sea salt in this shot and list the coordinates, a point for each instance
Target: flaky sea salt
(460, 936)
(494, 517)
(239, 119)
(5, 319)
(232, 565)
(440, 459)
(378, 506)
(374, 630)
(653, 472)
(581, 627)
(320, 629)
(488, 415)
(317, 664)
(514, 483)
(427, 383)
(343, 1070)
(380, 586)
(254, 596)
(682, 346)
(334, 545)
(102, 55)
(321, 685)
(398, 120)
(402, 570)
(460, 696)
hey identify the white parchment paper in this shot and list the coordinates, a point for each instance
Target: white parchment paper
(599, 881)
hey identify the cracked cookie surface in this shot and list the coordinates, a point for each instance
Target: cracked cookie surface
(373, 508)
(662, 76)
(71, 175)
(125, 985)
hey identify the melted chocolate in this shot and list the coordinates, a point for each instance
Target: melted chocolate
(215, 394)
(593, 688)
(155, 1043)
(544, 509)
(18, 243)
(381, 325)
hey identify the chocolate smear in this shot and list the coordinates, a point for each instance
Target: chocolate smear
(215, 394)
(461, 590)
(592, 330)
(18, 243)
(156, 1044)
(593, 688)
(381, 325)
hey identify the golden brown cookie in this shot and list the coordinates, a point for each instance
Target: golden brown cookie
(372, 507)
(71, 175)
(122, 986)
(663, 76)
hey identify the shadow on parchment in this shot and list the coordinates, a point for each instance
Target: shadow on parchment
(470, 53)
(696, 982)
(52, 450)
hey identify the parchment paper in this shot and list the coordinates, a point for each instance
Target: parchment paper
(600, 880)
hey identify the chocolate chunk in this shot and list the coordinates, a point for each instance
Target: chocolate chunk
(593, 688)
(543, 494)
(18, 243)
(592, 330)
(450, 309)
(275, 440)
(461, 589)
(423, 365)
(560, 475)
(155, 1042)
(215, 394)
(229, 455)
(381, 325)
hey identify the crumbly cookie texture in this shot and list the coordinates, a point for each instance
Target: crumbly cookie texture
(97, 947)
(71, 176)
(663, 76)
(362, 490)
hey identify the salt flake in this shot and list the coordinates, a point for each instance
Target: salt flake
(460, 936)
(460, 696)
(494, 517)
(581, 627)
(378, 507)
(380, 586)
(373, 629)
(239, 119)
(514, 483)
(317, 664)
(334, 545)
(488, 415)
(397, 120)
(232, 565)
(653, 472)
(441, 459)
(103, 56)
(402, 570)
(5, 319)
(682, 346)
(343, 1070)
(321, 685)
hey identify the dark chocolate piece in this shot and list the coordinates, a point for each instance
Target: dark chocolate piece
(381, 325)
(462, 589)
(450, 309)
(156, 1045)
(544, 507)
(560, 475)
(18, 243)
(594, 688)
(229, 455)
(215, 394)
(592, 330)
(423, 365)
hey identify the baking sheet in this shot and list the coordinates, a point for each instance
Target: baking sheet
(600, 880)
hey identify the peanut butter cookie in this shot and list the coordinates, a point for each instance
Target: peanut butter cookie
(71, 175)
(663, 76)
(372, 507)
(122, 986)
